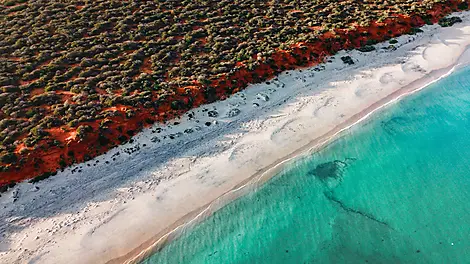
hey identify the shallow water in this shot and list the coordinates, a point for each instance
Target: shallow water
(395, 189)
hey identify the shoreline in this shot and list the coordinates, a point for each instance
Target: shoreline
(105, 210)
(258, 179)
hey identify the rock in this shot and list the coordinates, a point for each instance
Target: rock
(176, 135)
(347, 60)
(213, 113)
(263, 97)
(233, 112)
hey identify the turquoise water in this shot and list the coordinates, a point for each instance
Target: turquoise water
(395, 189)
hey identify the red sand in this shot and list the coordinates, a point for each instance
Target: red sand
(44, 157)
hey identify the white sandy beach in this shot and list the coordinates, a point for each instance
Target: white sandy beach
(109, 212)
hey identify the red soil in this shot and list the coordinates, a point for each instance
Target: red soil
(146, 66)
(36, 91)
(46, 157)
(28, 82)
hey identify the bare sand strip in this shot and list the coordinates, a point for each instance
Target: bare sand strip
(168, 180)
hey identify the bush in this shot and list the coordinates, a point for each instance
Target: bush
(449, 21)
(42, 177)
(347, 60)
(83, 131)
(9, 158)
(366, 48)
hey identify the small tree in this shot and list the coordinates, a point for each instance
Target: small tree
(83, 131)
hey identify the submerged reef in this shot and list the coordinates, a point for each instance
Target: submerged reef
(331, 174)
(349, 210)
(394, 125)
(331, 171)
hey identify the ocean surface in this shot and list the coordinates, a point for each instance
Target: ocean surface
(393, 189)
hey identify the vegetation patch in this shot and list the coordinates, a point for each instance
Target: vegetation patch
(367, 48)
(42, 177)
(75, 76)
(449, 21)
